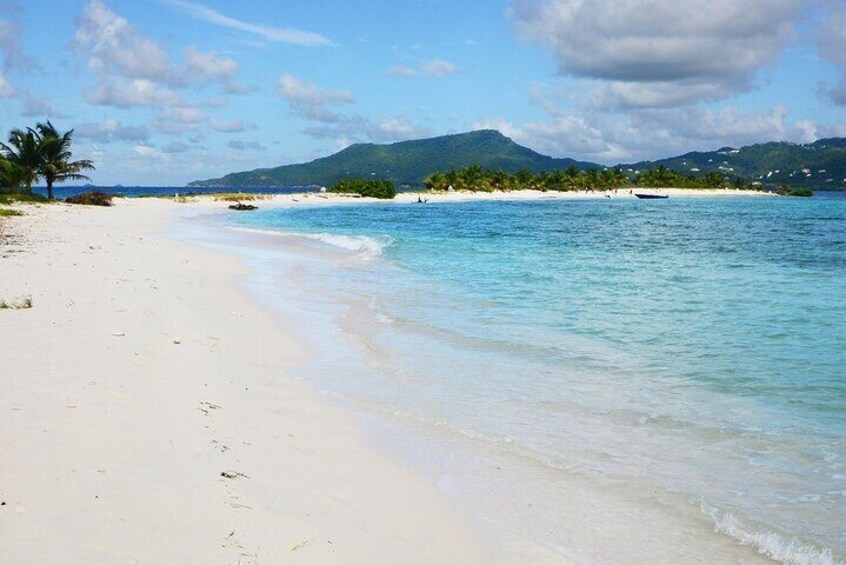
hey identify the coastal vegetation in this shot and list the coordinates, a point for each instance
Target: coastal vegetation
(95, 198)
(383, 189)
(39, 152)
(818, 165)
(784, 190)
(477, 179)
(13, 197)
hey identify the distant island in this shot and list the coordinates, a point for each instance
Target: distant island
(819, 165)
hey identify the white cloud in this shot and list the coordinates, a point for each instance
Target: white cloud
(148, 151)
(227, 126)
(38, 107)
(309, 101)
(117, 51)
(208, 67)
(12, 53)
(110, 130)
(355, 128)
(115, 46)
(181, 114)
(239, 145)
(705, 49)
(297, 91)
(436, 68)
(282, 35)
(653, 133)
(439, 68)
(6, 88)
(128, 94)
(175, 147)
(401, 71)
(831, 42)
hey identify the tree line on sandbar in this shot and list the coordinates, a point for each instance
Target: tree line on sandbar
(40, 152)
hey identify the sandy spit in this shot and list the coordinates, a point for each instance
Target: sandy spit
(146, 415)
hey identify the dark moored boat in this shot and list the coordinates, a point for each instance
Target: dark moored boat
(650, 196)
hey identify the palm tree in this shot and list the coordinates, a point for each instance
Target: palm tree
(24, 153)
(435, 181)
(11, 177)
(55, 165)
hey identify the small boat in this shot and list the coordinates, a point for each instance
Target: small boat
(650, 196)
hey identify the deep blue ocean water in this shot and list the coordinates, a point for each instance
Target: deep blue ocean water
(692, 348)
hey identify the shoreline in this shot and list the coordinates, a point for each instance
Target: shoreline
(149, 416)
(160, 221)
(317, 198)
(593, 514)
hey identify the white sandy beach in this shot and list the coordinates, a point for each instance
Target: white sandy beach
(139, 377)
(147, 415)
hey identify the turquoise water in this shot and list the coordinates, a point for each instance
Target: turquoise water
(693, 349)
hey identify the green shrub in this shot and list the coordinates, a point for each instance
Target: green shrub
(384, 189)
(8, 212)
(784, 190)
(91, 199)
(12, 197)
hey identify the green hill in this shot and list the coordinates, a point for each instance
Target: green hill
(406, 162)
(820, 165)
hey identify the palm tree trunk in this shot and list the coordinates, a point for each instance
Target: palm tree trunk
(49, 189)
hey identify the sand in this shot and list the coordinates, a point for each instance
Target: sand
(146, 415)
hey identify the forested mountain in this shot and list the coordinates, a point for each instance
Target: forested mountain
(404, 162)
(818, 165)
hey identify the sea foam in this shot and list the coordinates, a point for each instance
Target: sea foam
(790, 551)
(362, 245)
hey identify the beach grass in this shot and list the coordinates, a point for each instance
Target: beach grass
(23, 197)
(10, 212)
(24, 304)
(239, 197)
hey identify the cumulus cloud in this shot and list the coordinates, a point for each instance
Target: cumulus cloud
(706, 49)
(401, 71)
(831, 42)
(115, 45)
(436, 68)
(652, 133)
(276, 34)
(38, 107)
(176, 120)
(175, 147)
(6, 88)
(129, 94)
(206, 67)
(110, 130)
(355, 128)
(182, 115)
(11, 51)
(227, 126)
(239, 145)
(309, 101)
(439, 68)
(125, 57)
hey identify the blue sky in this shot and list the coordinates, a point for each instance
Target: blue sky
(163, 92)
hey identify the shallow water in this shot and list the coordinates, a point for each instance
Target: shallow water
(662, 378)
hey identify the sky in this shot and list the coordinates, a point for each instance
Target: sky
(162, 92)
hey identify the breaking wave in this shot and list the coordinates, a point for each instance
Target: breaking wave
(777, 547)
(362, 245)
